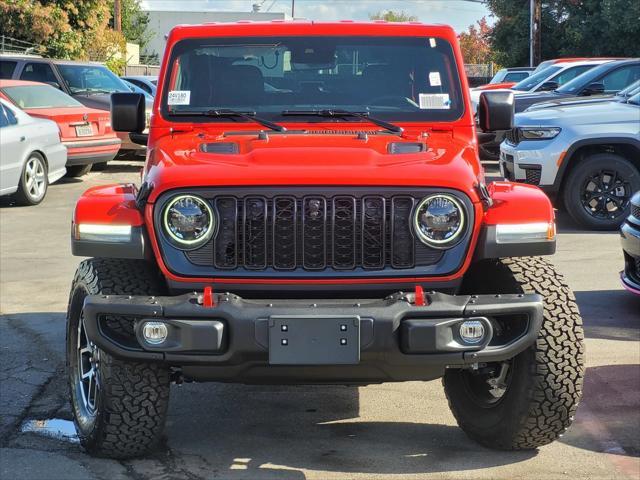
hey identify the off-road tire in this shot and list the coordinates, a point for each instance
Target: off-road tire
(134, 396)
(572, 188)
(546, 382)
(75, 171)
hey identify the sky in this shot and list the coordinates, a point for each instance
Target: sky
(457, 13)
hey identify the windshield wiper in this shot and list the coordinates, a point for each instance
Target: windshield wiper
(229, 113)
(345, 113)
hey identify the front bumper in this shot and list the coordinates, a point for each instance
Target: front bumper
(238, 340)
(630, 239)
(534, 162)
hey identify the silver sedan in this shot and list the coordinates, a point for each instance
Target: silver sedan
(31, 155)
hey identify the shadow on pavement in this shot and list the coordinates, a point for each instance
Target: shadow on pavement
(610, 314)
(608, 419)
(274, 432)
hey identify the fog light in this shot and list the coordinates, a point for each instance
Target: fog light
(472, 331)
(154, 333)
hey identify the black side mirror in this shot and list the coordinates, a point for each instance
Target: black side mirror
(496, 111)
(595, 88)
(549, 86)
(128, 112)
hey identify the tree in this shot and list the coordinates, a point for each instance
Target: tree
(569, 28)
(391, 16)
(135, 23)
(475, 43)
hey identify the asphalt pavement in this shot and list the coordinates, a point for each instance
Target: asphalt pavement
(392, 430)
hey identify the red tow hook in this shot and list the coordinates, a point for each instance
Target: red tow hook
(420, 299)
(207, 298)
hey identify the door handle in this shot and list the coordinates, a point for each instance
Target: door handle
(23, 138)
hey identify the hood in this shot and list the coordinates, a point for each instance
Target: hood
(567, 101)
(102, 101)
(323, 158)
(599, 113)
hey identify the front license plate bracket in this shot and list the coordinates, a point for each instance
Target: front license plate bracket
(314, 340)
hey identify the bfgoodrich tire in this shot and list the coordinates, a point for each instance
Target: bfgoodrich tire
(119, 407)
(543, 384)
(598, 190)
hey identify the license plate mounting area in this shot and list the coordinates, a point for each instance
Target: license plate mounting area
(314, 340)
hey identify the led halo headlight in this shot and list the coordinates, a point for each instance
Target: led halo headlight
(188, 221)
(439, 220)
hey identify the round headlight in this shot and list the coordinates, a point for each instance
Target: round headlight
(188, 221)
(439, 220)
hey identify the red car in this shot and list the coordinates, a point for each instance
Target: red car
(313, 210)
(86, 132)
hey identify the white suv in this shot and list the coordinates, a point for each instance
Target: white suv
(585, 156)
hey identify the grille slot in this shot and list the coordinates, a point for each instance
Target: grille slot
(533, 176)
(635, 211)
(314, 232)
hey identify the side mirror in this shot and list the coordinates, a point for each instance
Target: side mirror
(549, 86)
(496, 111)
(128, 112)
(595, 88)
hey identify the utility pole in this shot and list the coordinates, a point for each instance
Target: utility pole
(535, 19)
(117, 15)
(293, 8)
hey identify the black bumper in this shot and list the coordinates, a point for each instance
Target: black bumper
(89, 158)
(630, 239)
(240, 340)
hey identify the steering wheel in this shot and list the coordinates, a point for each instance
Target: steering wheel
(393, 100)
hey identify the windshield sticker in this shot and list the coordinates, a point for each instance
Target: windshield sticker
(432, 42)
(434, 79)
(179, 97)
(434, 101)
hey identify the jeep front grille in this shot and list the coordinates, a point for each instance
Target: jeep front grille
(314, 232)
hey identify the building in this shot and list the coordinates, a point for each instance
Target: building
(162, 21)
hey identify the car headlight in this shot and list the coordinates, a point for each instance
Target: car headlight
(439, 220)
(188, 221)
(530, 133)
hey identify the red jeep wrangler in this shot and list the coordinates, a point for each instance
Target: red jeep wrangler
(313, 210)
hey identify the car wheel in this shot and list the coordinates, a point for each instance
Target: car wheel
(75, 171)
(531, 399)
(34, 181)
(598, 191)
(119, 407)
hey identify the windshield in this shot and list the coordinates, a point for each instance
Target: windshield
(530, 82)
(136, 89)
(394, 78)
(91, 79)
(499, 76)
(635, 99)
(39, 96)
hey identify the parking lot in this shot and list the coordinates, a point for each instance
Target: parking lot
(400, 430)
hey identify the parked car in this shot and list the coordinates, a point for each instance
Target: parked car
(605, 79)
(86, 132)
(587, 157)
(623, 94)
(506, 78)
(31, 155)
(630, 238)
(544, 80)
(554, 61)
(148, 83)
(89, 83)
(254, 199)
(136, 89)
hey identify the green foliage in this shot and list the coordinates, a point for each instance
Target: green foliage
(116, 65)
(391, 16)
(74, 29)
(569, 28)
(135, 23)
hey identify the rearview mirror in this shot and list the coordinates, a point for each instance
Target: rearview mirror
(128, 112)
(549, 86)
(595, 88)
(496, 111)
